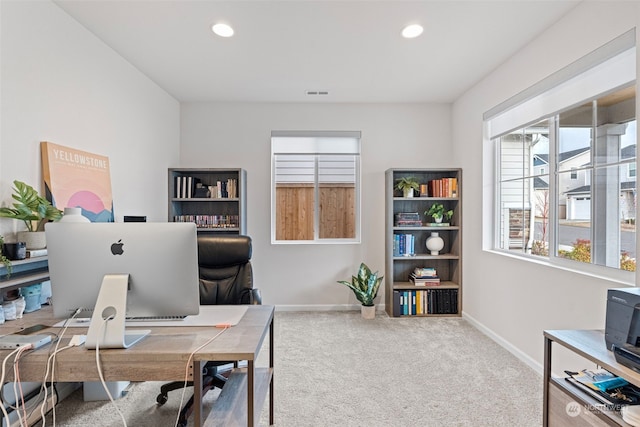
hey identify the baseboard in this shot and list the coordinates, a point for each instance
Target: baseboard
(533, 364)
(324, 307)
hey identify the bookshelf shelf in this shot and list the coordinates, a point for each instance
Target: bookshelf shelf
(426, 256)
(444, 299)
(443, 285)
(206, 199)
(225, 212)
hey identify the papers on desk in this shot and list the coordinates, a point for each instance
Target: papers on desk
(210, 315)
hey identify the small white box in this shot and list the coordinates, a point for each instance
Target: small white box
(93, 390)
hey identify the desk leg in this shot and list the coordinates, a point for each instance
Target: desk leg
(250, 390)
(546, 378)
(197, 393)
(271, 420)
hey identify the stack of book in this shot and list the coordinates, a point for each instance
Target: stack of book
(425, 276)
(224, 189)
(404, 245)
(408, 219)
(185, 186)
(443, 187)
(190, 187)
(427, 301)
(35, 253)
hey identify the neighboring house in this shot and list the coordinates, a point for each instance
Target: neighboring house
(574, 183)
(574, 186)
(578, 198)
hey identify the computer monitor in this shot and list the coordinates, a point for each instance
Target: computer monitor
(161, 260)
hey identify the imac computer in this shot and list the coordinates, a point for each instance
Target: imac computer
(101, 268)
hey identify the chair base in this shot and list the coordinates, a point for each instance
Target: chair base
(211, 379)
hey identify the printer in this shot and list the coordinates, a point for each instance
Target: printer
(622, 327)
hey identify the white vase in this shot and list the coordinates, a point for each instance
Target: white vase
(408, 192)
(73, 215)
(368, 311)
(435, 243)
(33, 239)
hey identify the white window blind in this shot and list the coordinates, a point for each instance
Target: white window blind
(605, 69)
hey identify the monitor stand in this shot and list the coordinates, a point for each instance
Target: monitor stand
(112, 304)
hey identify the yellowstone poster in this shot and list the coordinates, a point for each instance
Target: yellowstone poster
(77, 179)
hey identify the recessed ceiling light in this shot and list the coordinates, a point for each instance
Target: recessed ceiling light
(412, 31)
(222, 30)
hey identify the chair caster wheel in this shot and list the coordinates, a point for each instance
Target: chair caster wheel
(162, 399)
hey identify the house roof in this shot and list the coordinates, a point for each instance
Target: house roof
(543, 158)
(540, 184)
(624, 186)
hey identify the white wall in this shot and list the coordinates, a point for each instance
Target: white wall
(59, 83)
(513, 299)
(238, 135)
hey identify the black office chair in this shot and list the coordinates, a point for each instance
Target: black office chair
(226, 277)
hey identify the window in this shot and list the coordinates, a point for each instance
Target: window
(315, 192)
(581, 212)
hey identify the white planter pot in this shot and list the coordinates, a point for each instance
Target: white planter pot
(368, 311)
(408, 192)
(33, 239)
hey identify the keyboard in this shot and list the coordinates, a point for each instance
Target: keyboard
(154, 318)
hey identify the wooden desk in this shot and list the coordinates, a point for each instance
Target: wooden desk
(589, 344)
(162, 356)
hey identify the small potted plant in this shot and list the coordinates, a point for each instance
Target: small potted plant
(438, 212)
(407, 185)
(365, 287)
(34, 211)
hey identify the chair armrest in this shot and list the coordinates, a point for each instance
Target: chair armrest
(255, 297)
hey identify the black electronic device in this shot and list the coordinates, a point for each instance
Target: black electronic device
(135, 218)
(622, 327)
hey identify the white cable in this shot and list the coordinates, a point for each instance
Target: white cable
(104, 384)
(52, 358)
(4, 365)
(43, 407)
(17, 385)
(186, 373)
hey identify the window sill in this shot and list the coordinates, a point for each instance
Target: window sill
(618, 277)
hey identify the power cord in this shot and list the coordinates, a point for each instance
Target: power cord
(51, 363)
(104, 384)
(3, 374)
(186, 373)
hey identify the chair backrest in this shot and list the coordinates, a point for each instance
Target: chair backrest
(224, 263)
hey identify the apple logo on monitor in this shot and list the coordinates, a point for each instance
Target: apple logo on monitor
(116, 248)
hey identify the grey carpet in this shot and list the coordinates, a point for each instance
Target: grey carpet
(336, 369)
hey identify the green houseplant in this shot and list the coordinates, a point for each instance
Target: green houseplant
(33, 210)
(365, 287)
(438, 212)
(407, 184)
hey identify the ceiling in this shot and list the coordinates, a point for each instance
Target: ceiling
(283, 49)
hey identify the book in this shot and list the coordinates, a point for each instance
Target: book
(408, 219)
(600, 379)
(33, 253)
(424, 272)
